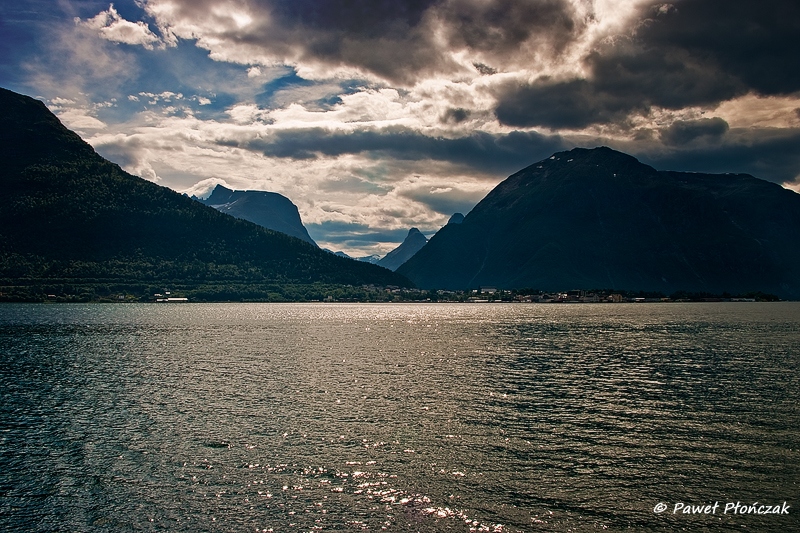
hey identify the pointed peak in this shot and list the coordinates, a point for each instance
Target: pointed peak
(457, 218)
(219, 195)
(415, 235)
(220, 188)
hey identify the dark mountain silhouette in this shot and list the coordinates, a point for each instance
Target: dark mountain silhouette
(457, 218)
(268, 209)
(412, 244)
(601, 219)
(69, 216)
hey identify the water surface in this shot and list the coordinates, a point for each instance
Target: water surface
(348, 417)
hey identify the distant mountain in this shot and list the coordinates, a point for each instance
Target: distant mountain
(268, 209)
(373, 259)
(71, 219)
(601, 219)
(457, 218)
(412, 244)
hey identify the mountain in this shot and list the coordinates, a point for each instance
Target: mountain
(457, 218)
(69, 219)
(601, 219)
(366, 258)
(268, 209)
(412, 244)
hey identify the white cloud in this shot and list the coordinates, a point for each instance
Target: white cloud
(111, 26)
(80, 120)
(248, 114)
(62, 101)
(166, 96)
(203, 188)
(763, 112)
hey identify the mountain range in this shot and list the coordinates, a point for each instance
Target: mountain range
(72, 221)
(598, 218)
(276, 212)
(268, 209)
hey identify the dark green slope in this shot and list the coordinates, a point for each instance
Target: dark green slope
(67, 214)
(601, 219)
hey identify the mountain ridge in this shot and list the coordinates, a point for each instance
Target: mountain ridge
(69, 216)
(598, 218)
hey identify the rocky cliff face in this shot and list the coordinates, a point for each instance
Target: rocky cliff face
(267, 209)
(601, 219)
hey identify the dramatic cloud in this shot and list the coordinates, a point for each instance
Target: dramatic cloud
(755, 43)
(572, 104)
(684, 132)
(687, 54)
(772, 155)
(401, 41)
(482, 151)
(375, 116)
(387, 39)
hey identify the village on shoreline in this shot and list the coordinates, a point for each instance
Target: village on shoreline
(495, 295)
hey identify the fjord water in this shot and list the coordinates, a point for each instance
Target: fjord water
(348, 417)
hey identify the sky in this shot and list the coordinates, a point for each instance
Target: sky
(375, 116)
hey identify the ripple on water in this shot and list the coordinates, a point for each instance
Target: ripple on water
(396, 417)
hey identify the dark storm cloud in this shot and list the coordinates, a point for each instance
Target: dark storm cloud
(396, 39)
(445, 202)
(693, 53)
(399, 40)
(757, 42)
(479, 150)
(499, 27)
(771, 155)
(685, 131)
(388, 38)
(368, 18)
(455, 115)
(486, 70)
(573, 104)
